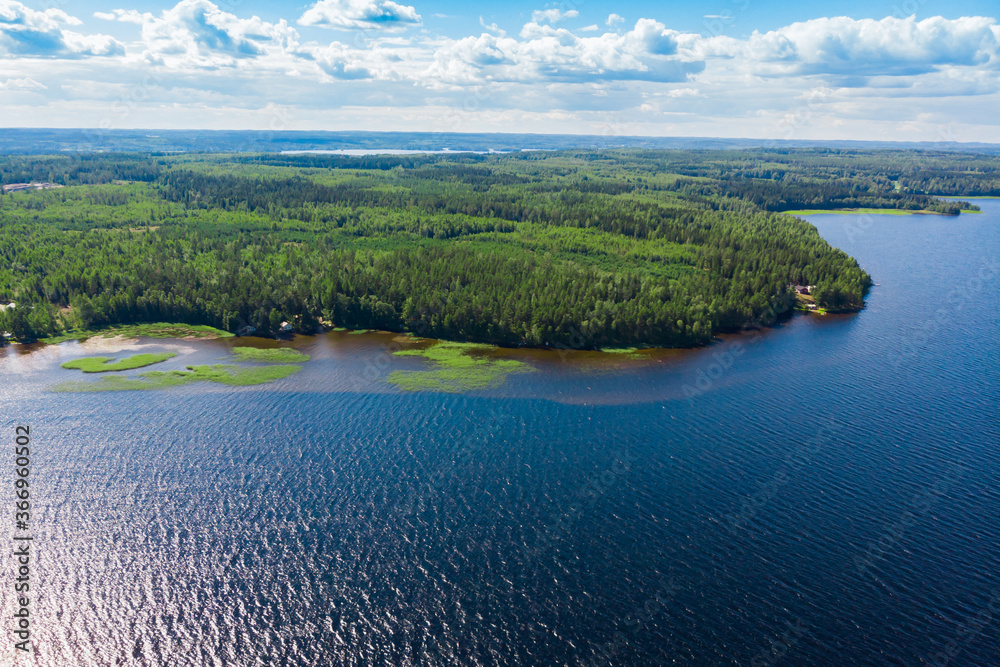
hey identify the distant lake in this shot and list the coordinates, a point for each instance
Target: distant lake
(826, 492)
(381, 151)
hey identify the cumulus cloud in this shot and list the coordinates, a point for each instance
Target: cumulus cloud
(338, 61)
(552, 15)
(27, 32)
(649, 52)
(842, 51)
(890, 46)
(360, 14)
(197, 56)
(198, 33)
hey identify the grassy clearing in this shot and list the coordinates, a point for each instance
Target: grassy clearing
(814, 311)
(360, 331)
(106, 364)
(234, 376)
(807, 304)
(282, 355)
(154, 330)
(456, 370)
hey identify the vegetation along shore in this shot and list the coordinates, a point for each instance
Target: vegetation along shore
(588, 249)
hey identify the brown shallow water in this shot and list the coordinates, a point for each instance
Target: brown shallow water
(342, 361)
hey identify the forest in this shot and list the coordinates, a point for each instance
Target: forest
(542, 248)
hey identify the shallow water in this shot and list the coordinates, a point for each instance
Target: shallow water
(825, 492)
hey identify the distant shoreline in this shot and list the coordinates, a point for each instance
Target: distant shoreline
(960, 198)
(874, 211)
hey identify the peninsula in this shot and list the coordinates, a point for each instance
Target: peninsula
(587, 249)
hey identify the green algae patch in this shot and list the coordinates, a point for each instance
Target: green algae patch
(234, 376)
(623, 352)
(456, 369)
(106, 364)
(238, 376)
(154, 330)
(273, 356)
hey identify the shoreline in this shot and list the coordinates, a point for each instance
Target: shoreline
(961, 198)
(870, 211)
(121, 334)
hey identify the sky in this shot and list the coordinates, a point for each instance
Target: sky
(892, 70)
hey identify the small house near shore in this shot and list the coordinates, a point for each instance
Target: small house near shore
(286, 327)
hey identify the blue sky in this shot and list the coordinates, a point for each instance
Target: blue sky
(891, 70)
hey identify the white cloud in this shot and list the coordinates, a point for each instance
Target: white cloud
(124, 15)
(197, 33)
(552, 15)
(847, 52)
(13, 14)
(540, 54)
(360, 14)
(492, 27)
(545, 53)
(20, 85)
(201, 62)
(341, 62)
(614, 19)
(890, 46)
(30, 33)
(92, 45)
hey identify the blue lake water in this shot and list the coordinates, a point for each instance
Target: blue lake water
(823, 493)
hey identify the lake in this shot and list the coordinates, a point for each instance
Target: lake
(356, 152)
(823, 492)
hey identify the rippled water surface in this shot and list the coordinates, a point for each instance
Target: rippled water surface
(822, 493)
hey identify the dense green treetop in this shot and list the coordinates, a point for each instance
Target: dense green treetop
(617, 247)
